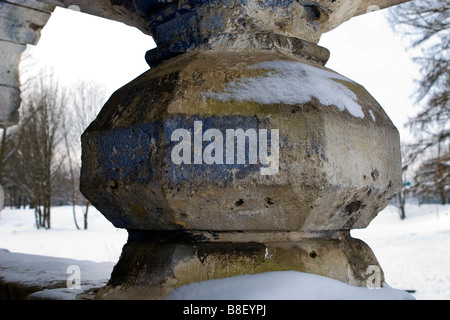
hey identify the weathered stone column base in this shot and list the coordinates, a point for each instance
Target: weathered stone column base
(153, 264)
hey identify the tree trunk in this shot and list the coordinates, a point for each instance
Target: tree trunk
(74, 215)
(2, 199)
(401, 200)
(86, 215)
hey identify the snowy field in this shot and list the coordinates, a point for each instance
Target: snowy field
(413, 252)
(101, 242)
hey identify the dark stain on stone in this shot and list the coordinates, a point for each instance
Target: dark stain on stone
(375, 174)
(352, 207)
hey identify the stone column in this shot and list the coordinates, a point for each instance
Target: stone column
(20, 24)
(239, 152)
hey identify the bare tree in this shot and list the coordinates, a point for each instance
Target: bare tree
(403, 194)
(2, 163)
(85, 102)
(426, 24)
(36, 159)
(10, 143)
(432, 178)
(44, 150)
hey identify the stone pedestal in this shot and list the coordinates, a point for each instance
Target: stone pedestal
(239, 152)
(154, 263)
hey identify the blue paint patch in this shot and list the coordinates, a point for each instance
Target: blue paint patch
(142, 153)
(128, 153)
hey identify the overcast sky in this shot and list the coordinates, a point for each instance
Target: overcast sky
(364, 49)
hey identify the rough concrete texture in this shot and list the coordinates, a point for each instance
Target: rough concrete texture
(119, 10)
(9, 105)
(136, 12)
(10, 54)
(151, 269)
(336, 169)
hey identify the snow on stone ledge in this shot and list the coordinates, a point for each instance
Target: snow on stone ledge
(52, 278)
(49, 277)
(291, 82)
(282, 285)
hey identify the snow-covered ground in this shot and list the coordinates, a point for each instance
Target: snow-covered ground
(99, 243)
(413, 253)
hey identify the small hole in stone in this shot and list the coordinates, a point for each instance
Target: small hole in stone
(313, 12)
(375, 174)
(313, 254)
(352, 207)
(269, 201)
(238, 203)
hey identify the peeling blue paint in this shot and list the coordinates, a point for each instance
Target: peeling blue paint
(142, 153)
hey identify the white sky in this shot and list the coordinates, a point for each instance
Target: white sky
(364, 49)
